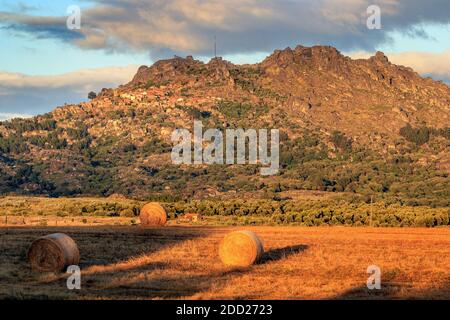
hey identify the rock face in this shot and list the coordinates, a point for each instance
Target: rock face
(319, 78)
(164, 70)
(182, 69)
(316, 89)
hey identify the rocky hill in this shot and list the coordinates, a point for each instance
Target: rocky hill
(358, 126)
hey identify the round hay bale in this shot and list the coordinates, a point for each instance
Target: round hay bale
(153, 214)
(53, 253)
(241, 249)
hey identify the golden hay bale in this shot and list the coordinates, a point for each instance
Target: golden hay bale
(53, 253)
(153, 214)
(240, 249)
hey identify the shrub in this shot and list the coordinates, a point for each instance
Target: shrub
(92, 95)
(418, 136)
(127, 213)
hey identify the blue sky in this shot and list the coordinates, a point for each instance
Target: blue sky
(49, 56)
(36, 53)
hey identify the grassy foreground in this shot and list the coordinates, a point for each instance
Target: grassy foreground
(182, 262)
(121, 260)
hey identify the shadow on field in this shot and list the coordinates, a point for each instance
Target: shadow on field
(396, 287)
(108, 251)
(440, 292)
(282, 253)
(166, 287)
(142, 278)
(175, 287)
(114, 245)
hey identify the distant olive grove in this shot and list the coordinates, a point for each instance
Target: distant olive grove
(242, 212)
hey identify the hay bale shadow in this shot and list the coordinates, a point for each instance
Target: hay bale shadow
(166, 287)
(394, 287)
(110, 252)
(282, 253)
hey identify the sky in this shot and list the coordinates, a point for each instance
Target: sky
(44, 64)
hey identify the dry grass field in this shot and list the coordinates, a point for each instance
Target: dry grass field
(181, 262)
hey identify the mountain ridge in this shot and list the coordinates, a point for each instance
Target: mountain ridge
(341, 120)
(304, 67)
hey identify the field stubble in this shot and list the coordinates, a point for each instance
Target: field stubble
(126, 262)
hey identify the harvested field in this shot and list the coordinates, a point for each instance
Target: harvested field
(123, 262)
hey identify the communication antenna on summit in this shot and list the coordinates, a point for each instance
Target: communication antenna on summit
(215, 46)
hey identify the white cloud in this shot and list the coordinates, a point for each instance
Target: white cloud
(8, 116)
(24, 94)
(79, 78)
(241, 26)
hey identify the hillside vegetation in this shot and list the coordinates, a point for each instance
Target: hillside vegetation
(362, 127)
